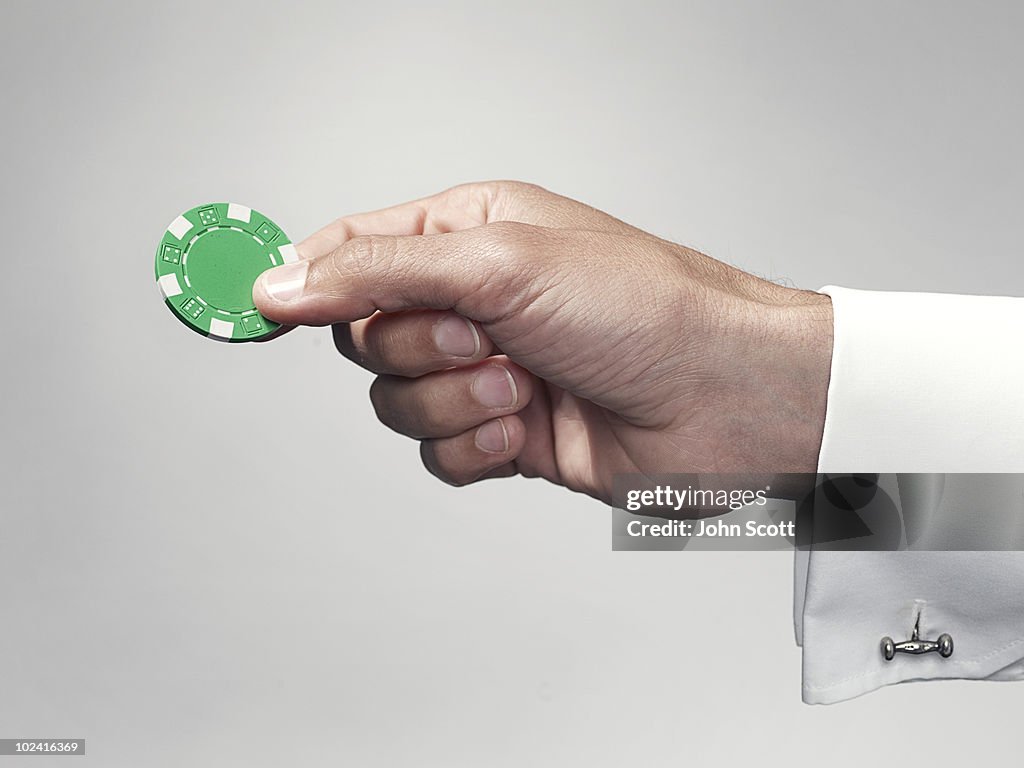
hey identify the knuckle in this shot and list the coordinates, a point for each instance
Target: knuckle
(495, 195)
(409, 407)
(360, 256)
(529, 189)
(343, 341)
(433, 460)
(512, 188)
(467, 189)
(430, 419)
(383, 348)
(470, 196)
(382, 402)
(517, 255)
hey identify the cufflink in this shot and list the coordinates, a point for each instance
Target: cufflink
(915, 645)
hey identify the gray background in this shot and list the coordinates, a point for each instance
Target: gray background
(297, 587)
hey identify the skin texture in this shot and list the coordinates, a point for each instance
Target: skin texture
(515, 331)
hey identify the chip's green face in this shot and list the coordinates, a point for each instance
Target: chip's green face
(206, 265)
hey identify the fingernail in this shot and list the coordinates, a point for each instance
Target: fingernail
(494, 387)
(456, 336)
(285, 283)
(492, 437)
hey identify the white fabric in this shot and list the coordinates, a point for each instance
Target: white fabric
(920, 383)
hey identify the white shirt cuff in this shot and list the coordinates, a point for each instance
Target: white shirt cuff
(929, 383)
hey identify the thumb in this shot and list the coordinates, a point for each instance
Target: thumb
(565, 306)
(481, 273)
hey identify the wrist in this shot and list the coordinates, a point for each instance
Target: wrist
(793, 386)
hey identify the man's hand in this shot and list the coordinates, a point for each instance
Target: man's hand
(514, 331)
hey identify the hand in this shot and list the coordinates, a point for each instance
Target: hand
(515, 331)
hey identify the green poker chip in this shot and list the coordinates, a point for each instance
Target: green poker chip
(206, 265)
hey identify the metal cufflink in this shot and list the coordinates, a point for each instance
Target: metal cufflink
(916, 646)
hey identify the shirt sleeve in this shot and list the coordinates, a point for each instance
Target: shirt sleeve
(920, 383)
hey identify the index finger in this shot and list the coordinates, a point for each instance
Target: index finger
(454, 209)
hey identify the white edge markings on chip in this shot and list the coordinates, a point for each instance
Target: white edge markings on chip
(288, 253)
(220, 329)
(180, 227)
(239, 212)
(169, 285)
